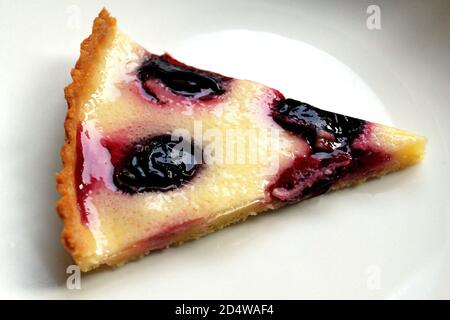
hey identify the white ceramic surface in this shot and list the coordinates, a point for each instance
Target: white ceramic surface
(388, 238)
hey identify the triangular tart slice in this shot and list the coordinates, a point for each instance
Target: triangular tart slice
(158, 152)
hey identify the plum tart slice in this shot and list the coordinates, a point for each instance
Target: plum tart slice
(158, 152)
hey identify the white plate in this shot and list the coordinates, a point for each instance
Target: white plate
(388, 238)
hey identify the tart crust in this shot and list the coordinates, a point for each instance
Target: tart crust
(76, 236)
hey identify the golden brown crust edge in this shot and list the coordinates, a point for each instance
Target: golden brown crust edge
(76, 237)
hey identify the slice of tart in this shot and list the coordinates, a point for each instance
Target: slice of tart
(158, 152)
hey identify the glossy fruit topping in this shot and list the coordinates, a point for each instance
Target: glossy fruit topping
(158, 163)
(325, 131)
(332, 152)
(180, 79)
